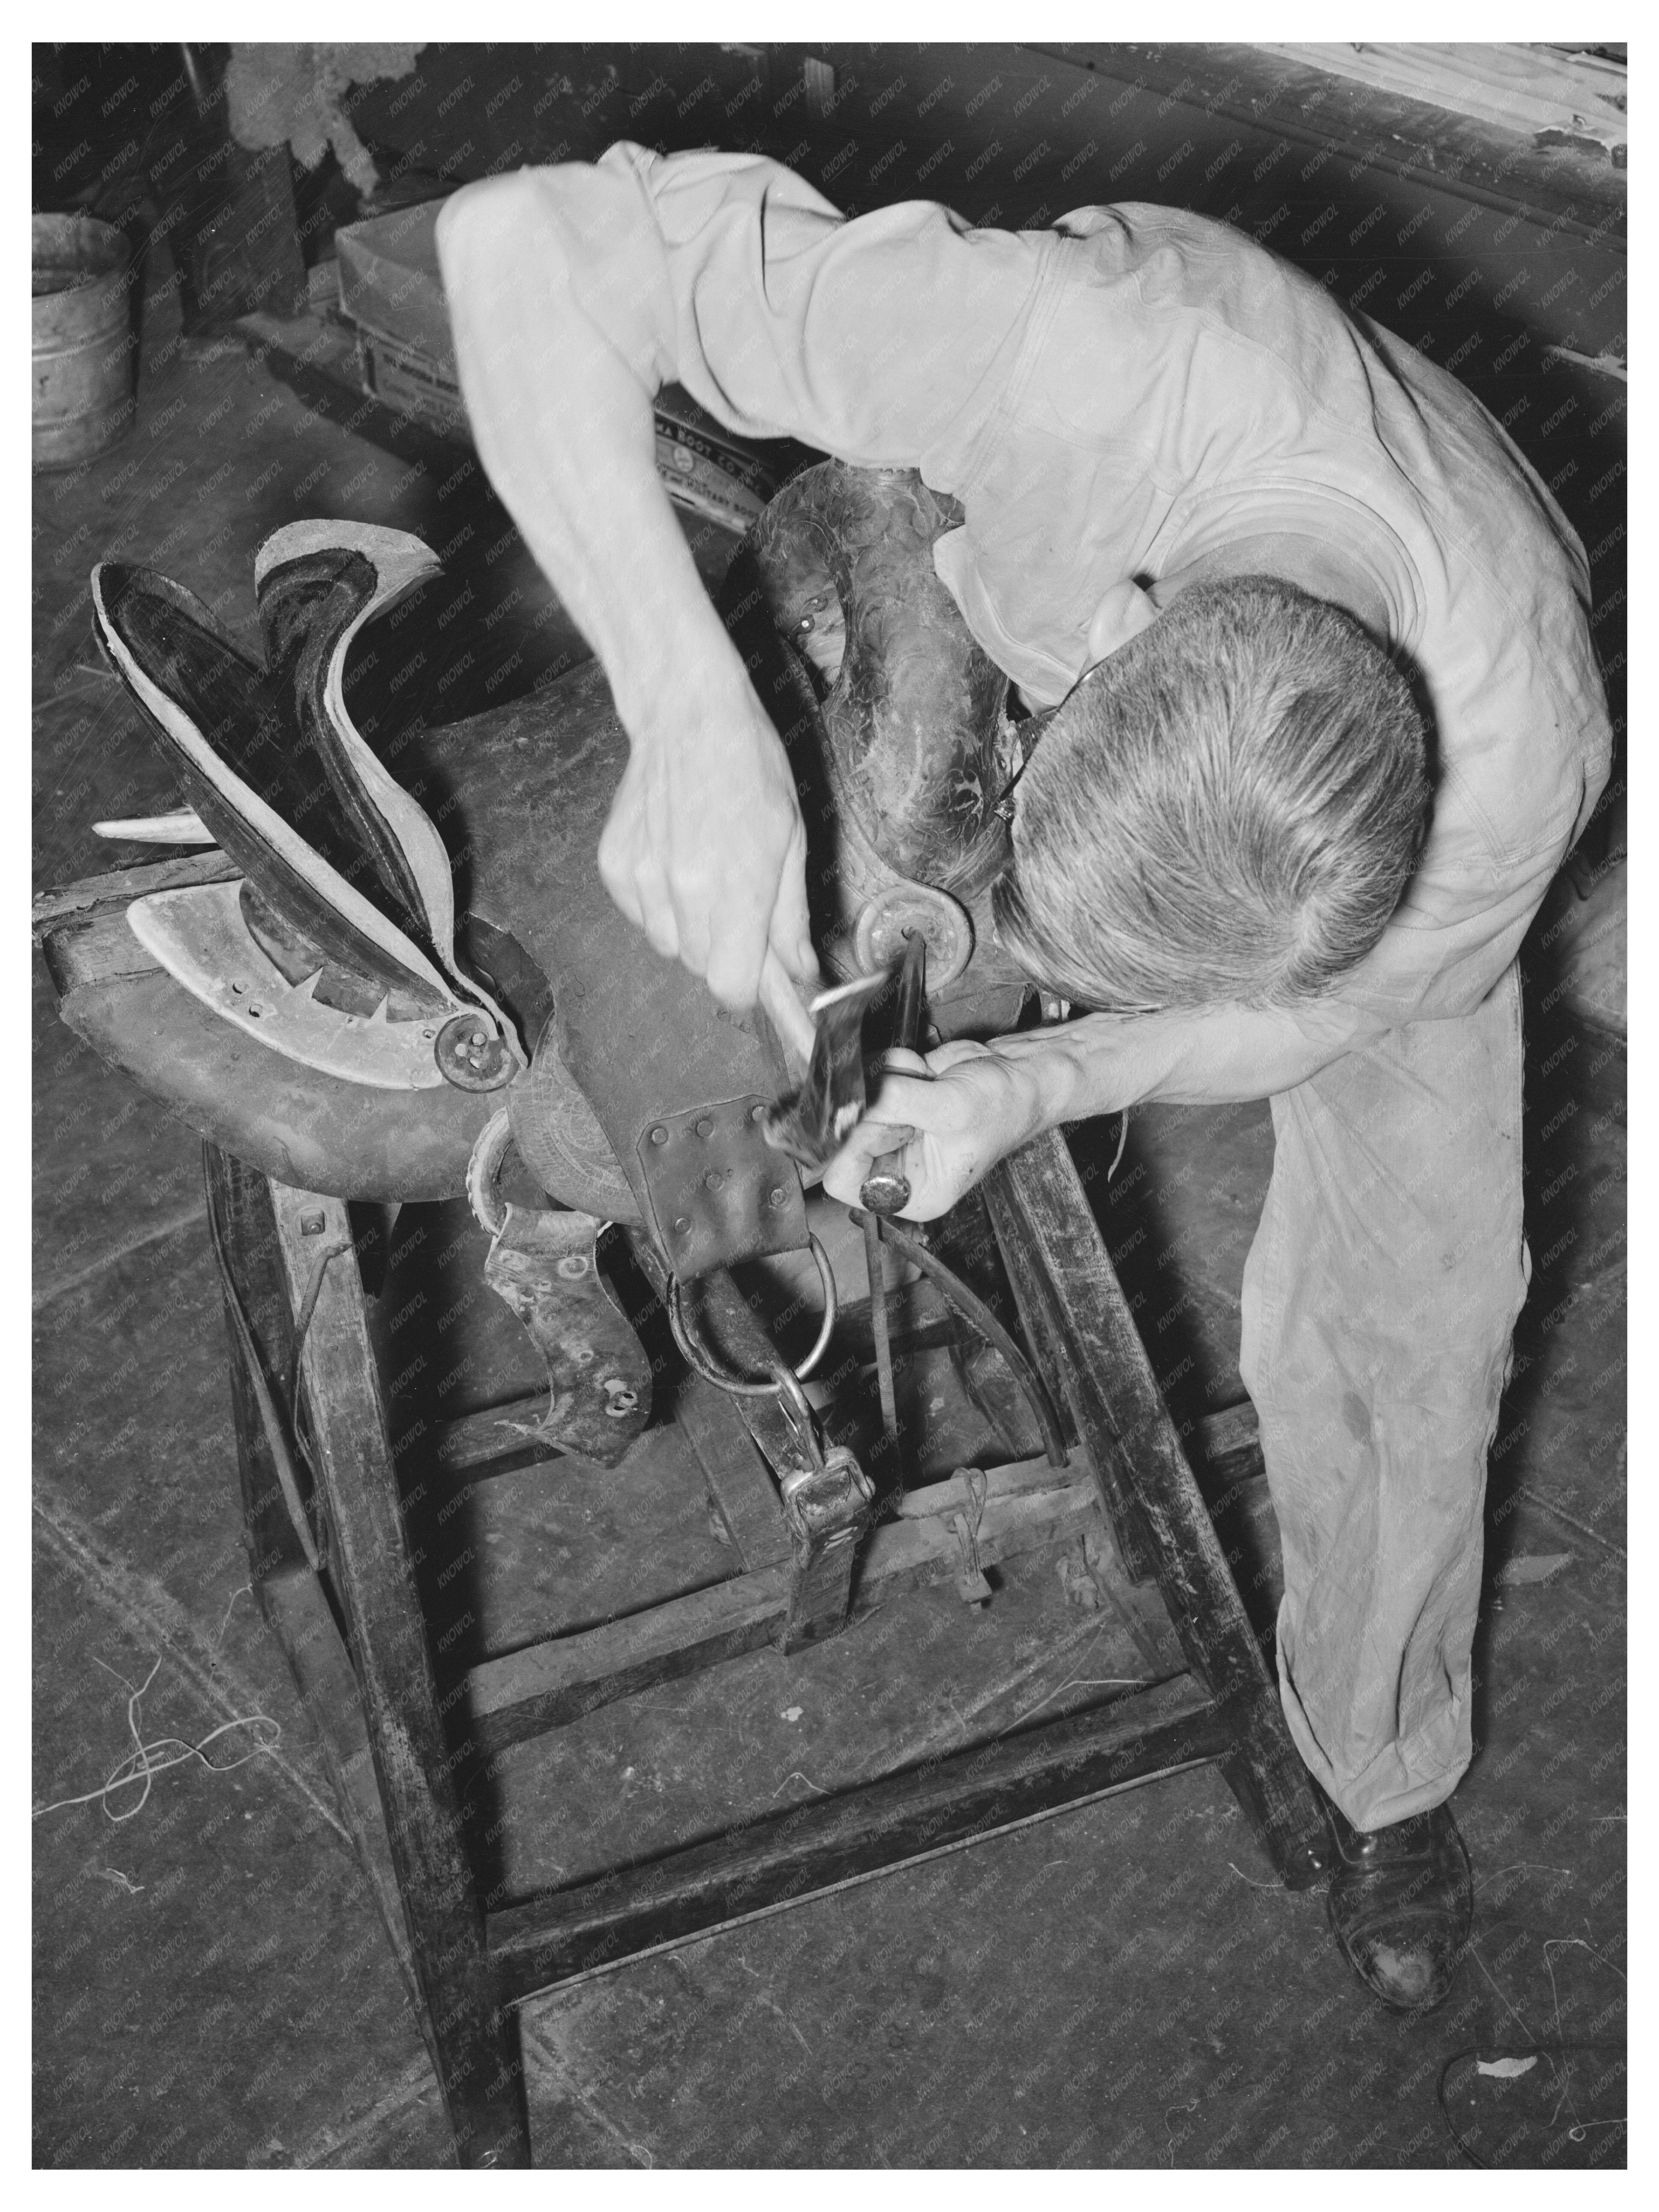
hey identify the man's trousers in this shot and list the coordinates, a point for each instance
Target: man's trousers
(1379, 1298)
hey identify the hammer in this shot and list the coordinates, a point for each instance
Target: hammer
(811, 1122)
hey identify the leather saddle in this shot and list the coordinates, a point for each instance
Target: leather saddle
(401, 952)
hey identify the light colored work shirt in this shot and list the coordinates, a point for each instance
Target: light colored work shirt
(1114, 398)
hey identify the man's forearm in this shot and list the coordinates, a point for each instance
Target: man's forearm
(562, 351)
(563, 424)
(1104, 1062)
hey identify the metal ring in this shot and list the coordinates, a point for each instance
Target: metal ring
(698, 1359)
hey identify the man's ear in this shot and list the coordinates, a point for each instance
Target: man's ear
(1123, 613)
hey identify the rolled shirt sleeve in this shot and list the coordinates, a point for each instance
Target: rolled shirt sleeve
(731, 276)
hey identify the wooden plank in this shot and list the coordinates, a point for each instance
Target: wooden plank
(1235, 1429)
(475, 2040)
(1216, 90)
(244, 1233)
(122, 885)
(290, 1598)
(82, 952)
(937, 1500)
(550, 1685)
(298, 1616)
(1524, 89)
(921, 1547)
(490, 1442)
(785, 1857)
(1078, 1322)
(967, 1240)
(969, 1231)
(1229, 1447)
(1012, 1524)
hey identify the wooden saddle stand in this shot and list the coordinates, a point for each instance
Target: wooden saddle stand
(415, 1035)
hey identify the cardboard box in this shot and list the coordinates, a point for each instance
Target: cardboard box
(390, 284)
(392, 291)
(411, 384)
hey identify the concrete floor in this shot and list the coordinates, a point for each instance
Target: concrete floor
(1119, 1985)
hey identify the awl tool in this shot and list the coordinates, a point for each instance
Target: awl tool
(886, 1188)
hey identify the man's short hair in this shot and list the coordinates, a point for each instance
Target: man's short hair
(1224, 811)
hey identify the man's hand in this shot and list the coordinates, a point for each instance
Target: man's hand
(988, 1100)
(981, 1105)
(704, 848)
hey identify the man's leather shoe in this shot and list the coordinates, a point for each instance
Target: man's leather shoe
(1400, 1903)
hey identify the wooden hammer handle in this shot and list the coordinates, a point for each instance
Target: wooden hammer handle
(782, 1000)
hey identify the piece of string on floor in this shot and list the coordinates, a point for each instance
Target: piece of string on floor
(247, 1590)
(1087, 1682)
(1575, 2134)
(144, 1761)
(123, 1883)
(1478, 2051)
(1249, 1883)
(1559, 2048)
(1521, 1866)
(795, 1774)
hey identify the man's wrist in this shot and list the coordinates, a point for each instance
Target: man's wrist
(1042, 1085)
(676, 676)
(1098, 1065)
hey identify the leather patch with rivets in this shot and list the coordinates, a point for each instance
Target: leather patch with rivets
(718, 1192)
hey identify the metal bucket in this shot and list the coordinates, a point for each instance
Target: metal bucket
(84, 340)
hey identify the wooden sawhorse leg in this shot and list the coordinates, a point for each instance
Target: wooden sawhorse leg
(1079, 1324)
(284, 1252)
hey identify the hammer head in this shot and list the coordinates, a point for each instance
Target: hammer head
(811, 1124)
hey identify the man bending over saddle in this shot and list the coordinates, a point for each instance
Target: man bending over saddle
(1328, 719)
